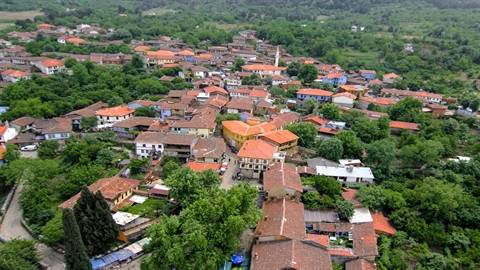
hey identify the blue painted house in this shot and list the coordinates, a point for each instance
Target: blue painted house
(368, 74)
(335, 79)
(317, 94)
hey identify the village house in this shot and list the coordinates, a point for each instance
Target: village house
(87, 112)
(264, 70)
(240, 105)
(13, 76)
(130, 127)
(391, 78)
(255, 156)
(344, 99)
(209, 150)
(357, 90)
(316, 94)
(109, 116)
(22, 124)
(399, 126)
(284, 140)
(159, 58)
(213, 90)
(202, 124)
(237, 132)
(115, 190)
(178, 145)
(348, 175)
(423, 96)
(333, 78)
(203, 166)
(50, 66)
(368, 74)
(381, 102)
(148, 144)
(52, 129)
(282, 179)
(141, 103)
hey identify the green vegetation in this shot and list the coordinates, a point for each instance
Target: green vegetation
(76, 257)
(95, 222)
(18, 254)
(151, 208)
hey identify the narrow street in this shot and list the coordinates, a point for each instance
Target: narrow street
(227, 177)
(12, 228)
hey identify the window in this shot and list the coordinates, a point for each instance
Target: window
(144, 145)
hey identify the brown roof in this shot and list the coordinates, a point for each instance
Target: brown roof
(284, 119)
(55, 125)
(150, 137)
(245, 104)
(262, 68)
(282, 217)
(134, 122)
(351, 196)
(280, 136)
(88, 111)
(364, 239)
(205, 119)
(201, 166)
(23, 121)
(110, 188)
(257, 149)
(360, 264)
(404, 125)
(282, 175)
(381, 224)
(290, 254)
(115, 111)
(178, 139)
(209, 148)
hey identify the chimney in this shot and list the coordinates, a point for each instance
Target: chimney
(277, 56)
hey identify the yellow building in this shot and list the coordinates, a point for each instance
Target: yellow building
(284, 140)
(237, 132)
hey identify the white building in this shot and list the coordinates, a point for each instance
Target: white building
(348, 174)
(50, 66)
(109, 116)
(148, 143)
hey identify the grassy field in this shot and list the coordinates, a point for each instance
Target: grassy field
(5, 25)
(10, 16)
(157, 11)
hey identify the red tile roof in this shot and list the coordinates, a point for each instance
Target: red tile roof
(212, 89)
(350, 195)
(315, 119)
(381, 101)
(345, 94)
(404, 125)
(314, 92)
(51, 63)
(279, 136)
(364, 239)
(381, 224)
(360, 264)
(320, 239)
(282, 217)
(258, 94)
(161, 54)
(115, 111)
(245, 104)
(257, 149)
(14, 73)
(262, 68)
(280, 176)
(110, 188)
(200, 166)
(290, 254)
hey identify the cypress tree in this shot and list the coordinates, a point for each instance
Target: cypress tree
(76, 257)
(97, 227)
(84, 212)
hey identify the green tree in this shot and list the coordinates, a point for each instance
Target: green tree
(95, 221)
(75, 253)
(238, 64)
(18, 255)
(331, 149)
(408, 110)
(352, 145)
(308, 73)
(305, 131)
(369, 131)
(293, 68)
(186, 186)
(138, 165)
(88, 123)
(12, 153)
(330, 111)
(169, 167)
(421, 153)
(326, 185)
(380, 156)
(344, 209)
(145, 111)
(52, 232)
(48, 149)
(253, 79)
(205, 233)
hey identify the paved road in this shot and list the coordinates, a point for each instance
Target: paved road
(227, 181)
(12, 228)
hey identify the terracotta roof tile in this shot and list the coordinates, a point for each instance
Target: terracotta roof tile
(51, 62)
(381, 224)
(404, 125)
(360, 264)
(200, 166)
(314, 92)
(121, 110)
(110, 188)
(282, 217)
(263, 68)
(280, 176)
(257, 149)
(280, 136)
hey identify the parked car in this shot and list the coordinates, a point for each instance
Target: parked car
(223, 169)
(31, 147)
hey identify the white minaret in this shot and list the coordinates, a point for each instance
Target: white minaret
(277, 56)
